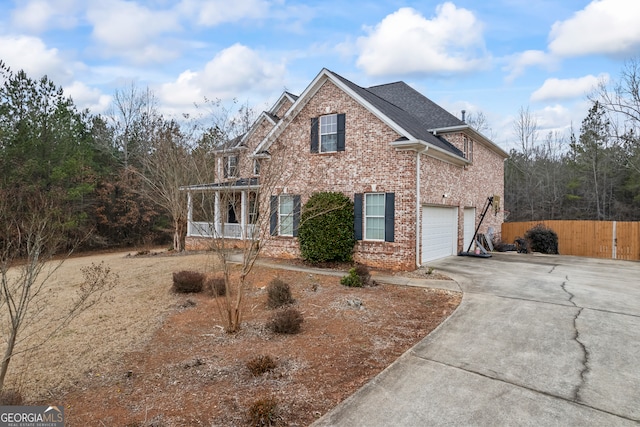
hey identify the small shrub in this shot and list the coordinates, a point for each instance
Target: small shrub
(261, 364)
(542, 239)
(279, 294)
(286, 321)
(264, 413)
(187, 282)
(362, 271)
(351, 280)
(217, 286)
(10, 398)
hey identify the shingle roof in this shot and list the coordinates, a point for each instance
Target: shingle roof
(294, 97)
(409, 109)
(272, 116)
(430, 114)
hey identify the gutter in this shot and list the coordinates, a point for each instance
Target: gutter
(492, 145)
(423, 146)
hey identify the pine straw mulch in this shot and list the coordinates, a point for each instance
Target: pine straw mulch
(180, 368)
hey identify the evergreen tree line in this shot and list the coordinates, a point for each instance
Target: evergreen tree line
(111, 178)
(592, 175)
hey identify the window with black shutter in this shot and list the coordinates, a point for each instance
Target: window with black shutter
(328, 133)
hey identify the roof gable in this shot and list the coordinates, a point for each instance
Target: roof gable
(408, 125)
(409, 122)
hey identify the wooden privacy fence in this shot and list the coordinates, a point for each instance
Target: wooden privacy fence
(600, 239)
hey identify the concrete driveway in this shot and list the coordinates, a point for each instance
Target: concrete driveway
(538, 340)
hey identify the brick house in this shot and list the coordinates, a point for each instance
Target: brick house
(419, 177)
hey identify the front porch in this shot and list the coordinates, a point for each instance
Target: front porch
(223, 210)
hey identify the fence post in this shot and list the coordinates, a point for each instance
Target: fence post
(614, 243)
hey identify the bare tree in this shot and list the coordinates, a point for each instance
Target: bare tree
(525, 128)
(130, 118)
(480, 123)
(32, 232)
(166, 167)
(622, 101)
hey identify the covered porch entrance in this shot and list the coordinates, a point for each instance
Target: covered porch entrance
(223, 210)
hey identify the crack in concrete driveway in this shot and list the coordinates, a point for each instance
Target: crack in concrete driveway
(527, 346)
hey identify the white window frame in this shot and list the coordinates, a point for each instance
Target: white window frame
(328, 125)
(366, 216)
(468, 149)
(231, 166)
(256, 167)
(287, 215)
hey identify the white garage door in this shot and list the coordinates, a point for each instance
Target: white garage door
(439, 232)
(469, 226)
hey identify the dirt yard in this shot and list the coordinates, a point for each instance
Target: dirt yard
(149, 357)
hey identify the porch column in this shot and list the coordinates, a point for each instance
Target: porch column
(189, 212)
(217, 216)
(243, 214)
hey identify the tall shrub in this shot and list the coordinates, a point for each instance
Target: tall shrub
(326, 230)
(542, 239)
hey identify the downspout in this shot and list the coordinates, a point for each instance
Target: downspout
(418, 205)
(418, 209)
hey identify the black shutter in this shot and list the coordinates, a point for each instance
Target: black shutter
(341, 120)
(314, 134)
(296, 214)
(357, 215)
(389, 220)
(273, 218)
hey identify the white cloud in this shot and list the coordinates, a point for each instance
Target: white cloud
(405, 42)
(129, 30)
(556, 89)
(39, 15)
(519, 62)
(214, 12)
(603, 27)
(553, 117)
(86, 97)
(31, 55)
(235, 72)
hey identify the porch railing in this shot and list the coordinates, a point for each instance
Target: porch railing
(226, 230)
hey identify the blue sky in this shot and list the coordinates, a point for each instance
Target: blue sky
(492, 57)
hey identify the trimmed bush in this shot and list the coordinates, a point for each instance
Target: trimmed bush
(261, 364)
(185, 282)
(217, 286)
(279, 294)
(352, 280)
(542, 239)
(264, 413)
(286, 321)
(326, 230)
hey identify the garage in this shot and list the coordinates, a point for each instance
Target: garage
(439, 232)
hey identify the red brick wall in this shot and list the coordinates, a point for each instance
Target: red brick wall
(467, 186)
(368, 162)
